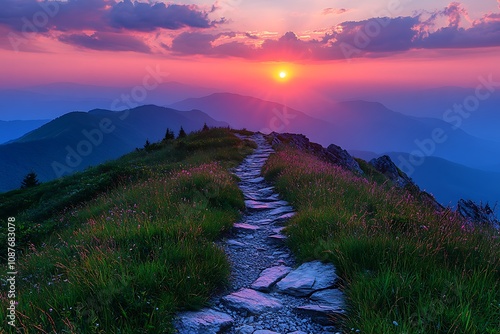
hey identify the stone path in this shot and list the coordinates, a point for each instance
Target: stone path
(267, 295)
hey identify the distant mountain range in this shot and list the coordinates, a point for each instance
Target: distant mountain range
(355, 125)
(77, 140)
(10, 130)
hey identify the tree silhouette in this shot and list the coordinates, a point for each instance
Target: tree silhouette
(147, 145)
(169, 135)
(182, 133)
(30, 181)
(205, 127)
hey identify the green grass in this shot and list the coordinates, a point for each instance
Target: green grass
(404, 267)
(123, 255)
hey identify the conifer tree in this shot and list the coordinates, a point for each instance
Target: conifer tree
(182, 133)
(30, 181)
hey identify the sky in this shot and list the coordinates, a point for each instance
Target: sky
(245, 44)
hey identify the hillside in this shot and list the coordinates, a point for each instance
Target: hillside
(142, 235)
(10, 130)
(78, 140)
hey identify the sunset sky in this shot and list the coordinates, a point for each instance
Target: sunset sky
(227, 43)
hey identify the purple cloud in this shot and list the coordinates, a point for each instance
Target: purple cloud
(105, 41)
(337, 11)
(148, 17)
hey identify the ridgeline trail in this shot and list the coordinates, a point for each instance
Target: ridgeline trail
(266, 294)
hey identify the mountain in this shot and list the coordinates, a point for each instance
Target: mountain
(355, 125)
(77, 140)
(258, 115)
(449, 181)
(10, 130)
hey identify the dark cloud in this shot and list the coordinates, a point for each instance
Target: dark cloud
(101, 15)
(105, 41)
(147, 17)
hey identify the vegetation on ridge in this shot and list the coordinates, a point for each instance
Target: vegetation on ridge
(139, 249)
(404, 267)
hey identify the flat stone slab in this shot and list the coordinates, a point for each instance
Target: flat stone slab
(264, 331)
(282, 210)
(202, 322)
(235, 243)
(251, 301)
(269, 277)
(330, 297)
(263, 222)
(256, 180)
(278, 237)
(245, 227)
(262, 205)
(287, 215)
(321, 314)
(308, 278)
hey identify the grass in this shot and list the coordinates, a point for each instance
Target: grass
(404, 267)
(122, 255)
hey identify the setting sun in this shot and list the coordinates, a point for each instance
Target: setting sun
(282, 74)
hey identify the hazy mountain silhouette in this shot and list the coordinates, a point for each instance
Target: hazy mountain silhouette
(355, 125)
(10, 130)
(77, 140)
(258, 115)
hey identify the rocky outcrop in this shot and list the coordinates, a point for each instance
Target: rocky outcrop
(334, 154)
(478, 213)
(341, 157)
(385, 166)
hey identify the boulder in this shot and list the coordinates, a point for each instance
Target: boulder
(385, 166)
(202, 322)
(269, 277)
(308, 278)
(341, 157)
(330, 297)
(478, 213)
(251, 301)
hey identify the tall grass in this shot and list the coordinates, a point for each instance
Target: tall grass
(127, 260)
(405, 268)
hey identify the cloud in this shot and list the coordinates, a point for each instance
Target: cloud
(105, 41)
(337, 11)
(101, 15)
(148, 17)
(454, 12)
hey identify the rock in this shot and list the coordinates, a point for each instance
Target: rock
(260, 205)
(246, 329)
(245, 227)
(251, 301)
(202, 322)
(321, 314)
(264, 331)
(269, 277)
(281, 210)
(331, 297)
(342, 158)
(308, 278)
(385, 166)
(333, 153)
(235, 243)
(477, 213)
(278, 237)
(286, 216)
(297, 332)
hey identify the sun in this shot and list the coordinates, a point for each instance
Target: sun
(283, 74)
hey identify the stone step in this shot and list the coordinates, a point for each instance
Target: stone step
(251, 301)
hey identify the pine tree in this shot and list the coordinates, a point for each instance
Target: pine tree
(205, 127)
(147, 145)
(169, 135)
(182, 133)
(30, 181)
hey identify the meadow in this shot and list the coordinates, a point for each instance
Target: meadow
(121, 247)
(405, 267)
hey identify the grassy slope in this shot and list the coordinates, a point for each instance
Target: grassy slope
(121, 247)
(405, 268)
